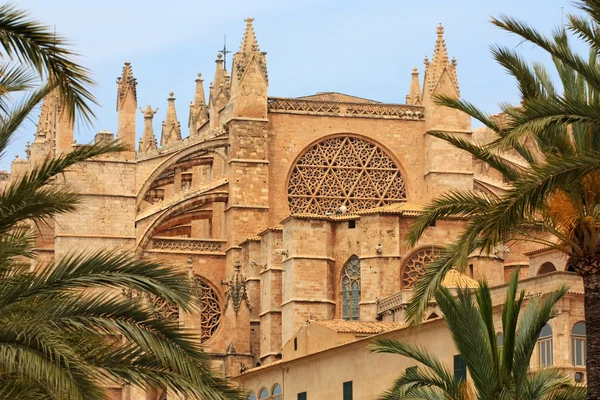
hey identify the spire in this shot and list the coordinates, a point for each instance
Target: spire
(198, 109)
(414, 95)
(126, 83)
(249, 43)
(171, 130)
(48, 123)
(249, 51)
(148, 140)
(440, 66)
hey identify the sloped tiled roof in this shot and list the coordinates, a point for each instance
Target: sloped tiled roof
(404, 207)
(337, 97)
(369, 327)
(455, 279)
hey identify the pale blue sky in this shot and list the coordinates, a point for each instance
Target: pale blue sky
(364, 48)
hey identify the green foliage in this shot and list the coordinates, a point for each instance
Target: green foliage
(553, 174)
(83, 321)
(495, 372)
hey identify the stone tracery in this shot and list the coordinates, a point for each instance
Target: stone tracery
(415, 266)
(210, 309)
(344, 171)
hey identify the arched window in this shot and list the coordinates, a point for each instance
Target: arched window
(578, 344)
(415, 266)
(252, 396)
(344, 171)
(210, 309)
(276, 393)
(545, 358)
(500, 340)
(546, 268)
(351, 288)
(263, 394)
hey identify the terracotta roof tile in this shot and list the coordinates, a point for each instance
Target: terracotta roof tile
(337, 97)
(369, 327)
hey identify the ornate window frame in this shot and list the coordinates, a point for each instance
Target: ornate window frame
(344, 170)
(350, 289)
(208, 312)
(413, 268)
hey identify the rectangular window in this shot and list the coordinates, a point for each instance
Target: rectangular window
(302, 396)
(295, 344)
(347, 390)
(460, 369)
(470, 270)
(351, 224)
(545, 358)
(578, 351)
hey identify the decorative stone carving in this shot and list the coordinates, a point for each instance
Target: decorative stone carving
(236, 289)
(187, 245)
(344, 171)
(210, 309)
(415, 266)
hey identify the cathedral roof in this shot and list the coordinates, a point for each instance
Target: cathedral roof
(337, 97)
(368, 327)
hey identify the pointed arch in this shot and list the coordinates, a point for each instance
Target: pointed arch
(350, 288)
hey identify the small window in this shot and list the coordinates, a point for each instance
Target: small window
(432, 223)
(276, 393)
(252, 396)
(460, 369)
(500, 339)
(545, 355)
(347, 390)
(263, 394)
(302, 396)
(471, 271)
(546, 268)
(351, 224)
(578, 345)
(295, 344)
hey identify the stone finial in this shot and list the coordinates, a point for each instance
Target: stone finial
(414, 95)
(148, 140)
(47, 127)
(198, 108)
(235, 291)
(171, 131)
(440, 64)
(126, 83)
(249, 50)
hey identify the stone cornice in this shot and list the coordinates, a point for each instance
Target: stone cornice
(345, 109)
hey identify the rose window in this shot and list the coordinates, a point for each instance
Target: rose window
(344, 171)
(415, 266)
(210, 309)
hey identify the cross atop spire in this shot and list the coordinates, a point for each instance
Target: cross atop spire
(439, 65)
(126, 82)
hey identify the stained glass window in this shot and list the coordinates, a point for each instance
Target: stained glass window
(351, 289)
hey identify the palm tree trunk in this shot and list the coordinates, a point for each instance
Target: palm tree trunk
(591, 284)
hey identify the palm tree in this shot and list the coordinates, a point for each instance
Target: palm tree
(554, 197)
(66, 329)
(496, 371)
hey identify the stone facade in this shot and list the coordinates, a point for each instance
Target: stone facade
(289, 215)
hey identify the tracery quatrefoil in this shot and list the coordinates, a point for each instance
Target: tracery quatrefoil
(415, 266)
(344, 171)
